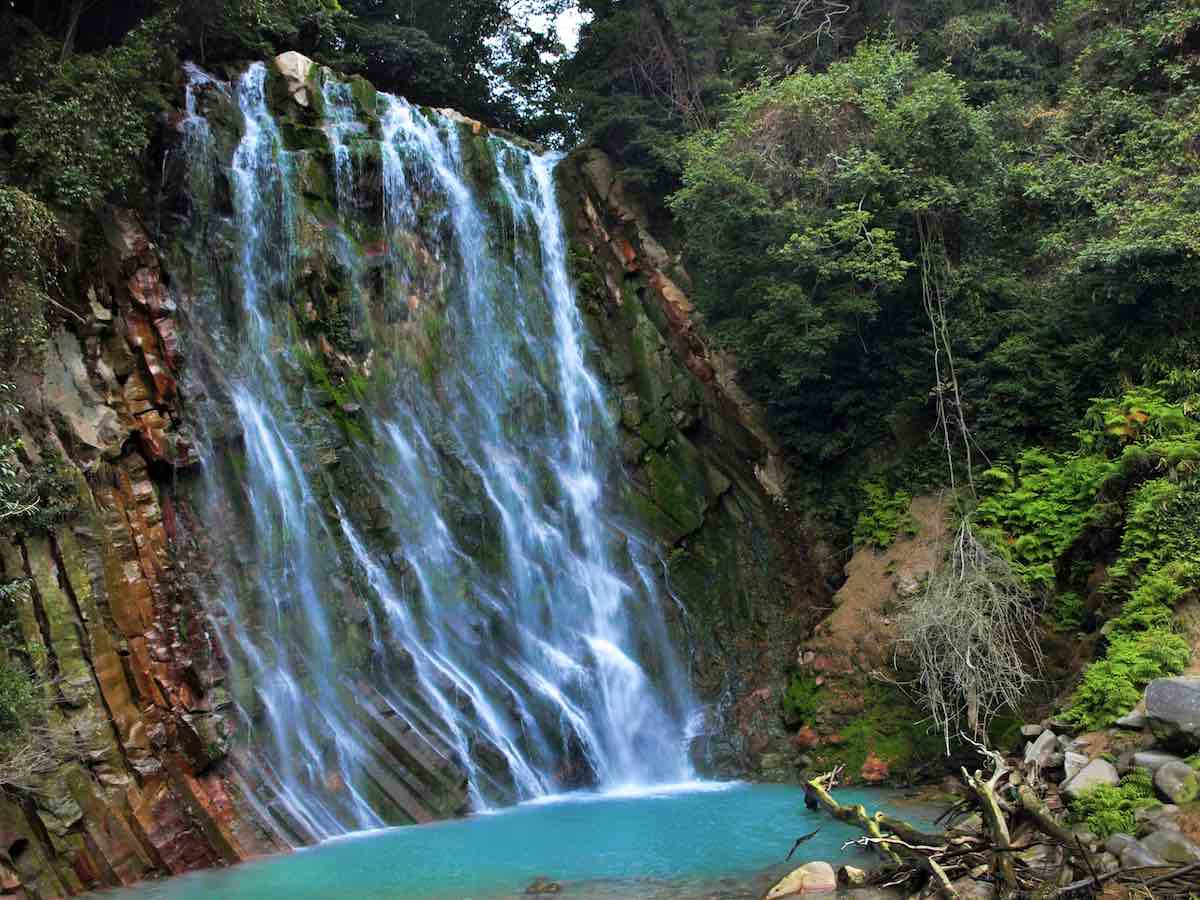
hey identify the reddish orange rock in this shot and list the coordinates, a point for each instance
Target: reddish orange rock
(806, 738)
(874, 770)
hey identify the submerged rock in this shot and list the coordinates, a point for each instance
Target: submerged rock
(542, 886)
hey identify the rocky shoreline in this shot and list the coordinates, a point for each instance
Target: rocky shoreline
(1109, 812)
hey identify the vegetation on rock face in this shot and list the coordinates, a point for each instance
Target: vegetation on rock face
(1132, 475)
(1109, 809)
(885, 516)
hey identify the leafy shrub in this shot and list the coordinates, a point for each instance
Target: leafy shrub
(1109, 809)
(82, 126)
(799, 701)
(35, 497)
(29, 270)
(1044, 507)
(20, 702)
(1112, 686)
(1066, 611)
(884, 516)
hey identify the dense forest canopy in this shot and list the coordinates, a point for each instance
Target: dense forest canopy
(820, 156)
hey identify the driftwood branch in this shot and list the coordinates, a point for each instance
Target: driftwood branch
(1009, 797)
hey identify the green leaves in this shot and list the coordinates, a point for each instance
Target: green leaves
(1109, 809)
(884, 517)
(82, 126)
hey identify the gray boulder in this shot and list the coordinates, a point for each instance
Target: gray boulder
(1156, 818)
(1153, 759)
(1119, 843)
(1073, 763)
(1135, 721)
(1137, 856)
(1042, 748)
(1173, 708)
(1031, 731)
(1095, 773)
(1171, 846)
(1177, 782)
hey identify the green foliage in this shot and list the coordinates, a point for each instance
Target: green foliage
(20, 702)
(884, 516)
(1112, 686)
(29, 270)
(1109, 809)
(35, 497)
(1067, 611)
(891, 728)
(236, 29)
(1043, 507)
(81, 127)
(799, 701)
(801, 210)
(1132, 472)
(1055, 150)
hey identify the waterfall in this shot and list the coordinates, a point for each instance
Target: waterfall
(423, 576)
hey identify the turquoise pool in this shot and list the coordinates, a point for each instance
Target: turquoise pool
(695, 840)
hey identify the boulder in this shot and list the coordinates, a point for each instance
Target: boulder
(1156, 818)
(1173, 708)
(1031, 731)
(851, 877)
(970, 889)
(295, 69)
(1073, 763)
(1043, 857)
(874, 770)
(1177, 782)
(1095, 773)
(1153, 760)
(811, 878)
(1119, 843)
(1040, 750)
(1137, 856)
(1172, 846)
(1135, 721)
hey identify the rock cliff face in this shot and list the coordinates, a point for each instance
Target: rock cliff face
(708, 476)
(98, 604)
(111, 605)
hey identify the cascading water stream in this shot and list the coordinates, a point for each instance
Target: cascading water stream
(469, 579)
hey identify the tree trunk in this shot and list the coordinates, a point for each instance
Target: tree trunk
(73, 16)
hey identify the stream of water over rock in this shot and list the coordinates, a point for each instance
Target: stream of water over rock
(425, 579)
